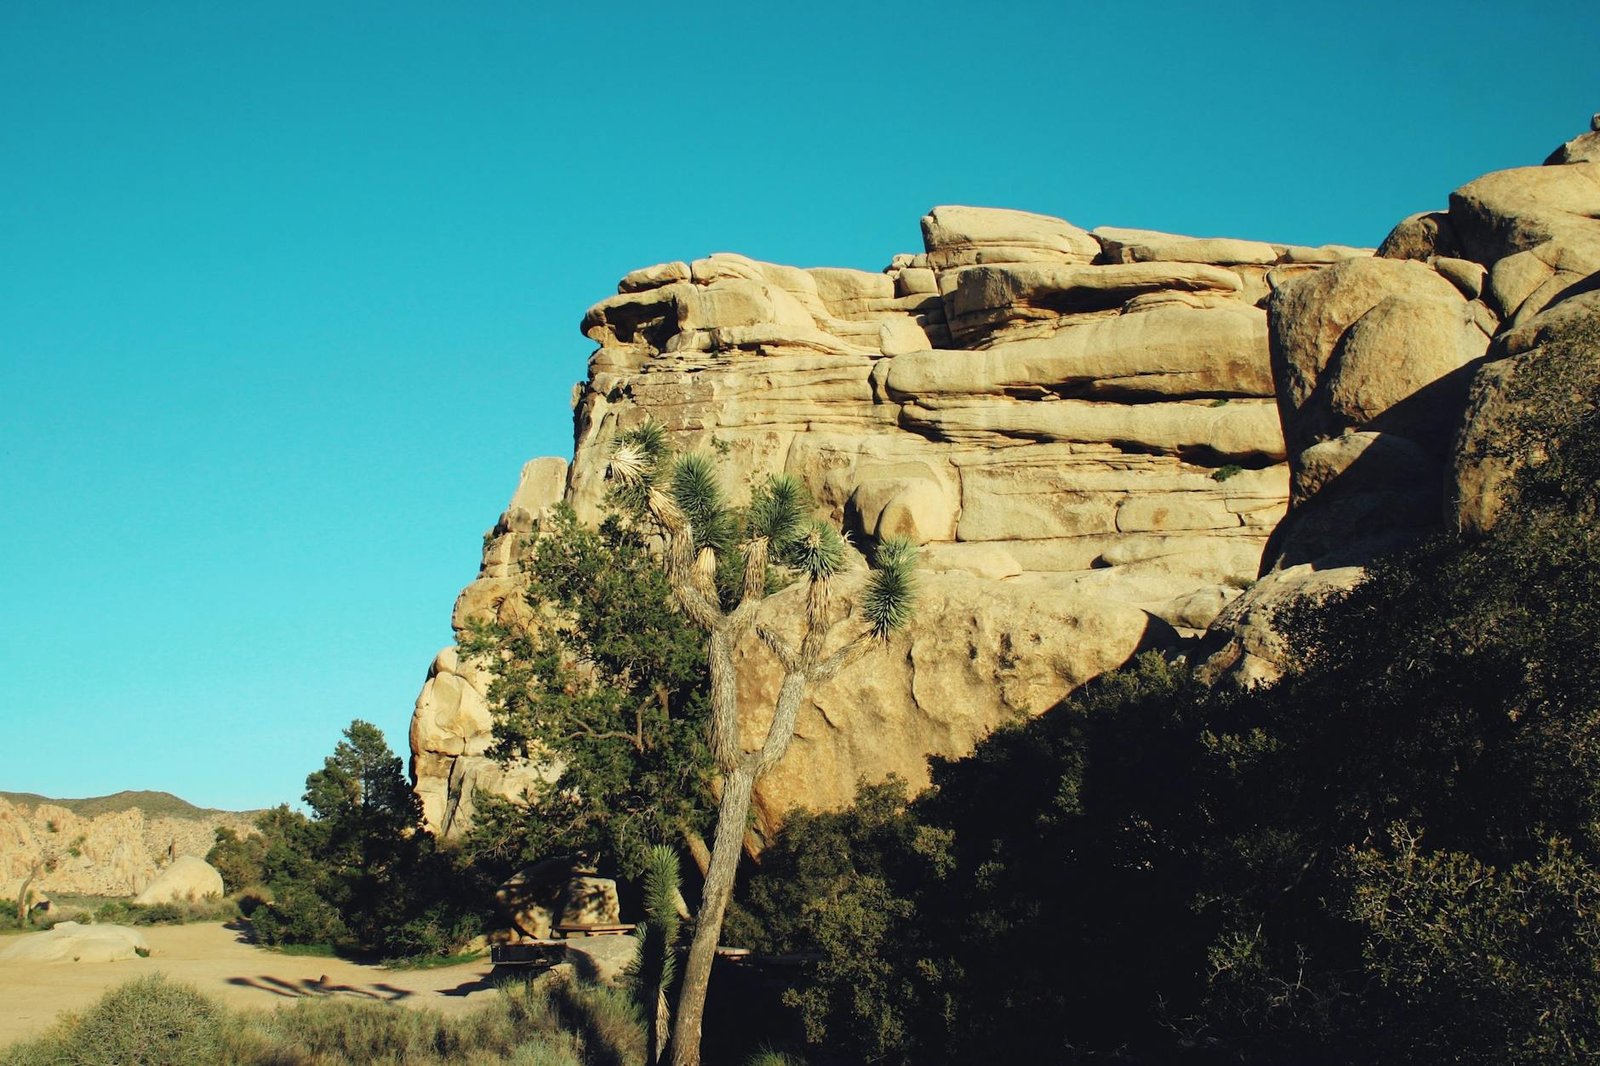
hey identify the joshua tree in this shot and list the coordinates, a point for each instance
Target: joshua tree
(702, 536)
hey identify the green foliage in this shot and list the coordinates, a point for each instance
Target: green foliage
(653, 970)
(124, 912)
(152, 804)
(779, 510)
(841, 885)
(1520, 944)
(238, 859)
(1391, 855)
(891, 590)
(147, 1022)
(696, 489)
(636, 460)
(817, 551)
(608, 684)
(1223, 473)
(359, 874)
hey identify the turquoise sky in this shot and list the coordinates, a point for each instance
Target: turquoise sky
(288, 292)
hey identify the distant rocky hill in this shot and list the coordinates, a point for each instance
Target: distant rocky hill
(153, 804)
(1105, 441)
(104, 845)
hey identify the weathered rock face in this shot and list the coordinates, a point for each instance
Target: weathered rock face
(451, 726)
(1099, 438)
(115, 854)
(1079, 428)
(1392, 373)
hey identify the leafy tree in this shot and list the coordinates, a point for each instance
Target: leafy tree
(845, 886)
(703, 535)
(360, 872)
(608, 684)
(238, 859)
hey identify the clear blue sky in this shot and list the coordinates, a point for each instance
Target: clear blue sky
(289, 291)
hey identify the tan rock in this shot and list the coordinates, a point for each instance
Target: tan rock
(961, 236)
(1548, 210)
(1420, 236)
(982, 653)
(653, 277)
(1174, 351)
(1482, 465)
(588, 900)
(1401, 351)
(1308, 318)
(188, 880)
(1143, 246)
(532, 897)
(71, 942)
(1514, 279)
(978, 299)
(1584, 148)
(1243, 430)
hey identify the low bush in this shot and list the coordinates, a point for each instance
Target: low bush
(153, 1022)
(124, 912)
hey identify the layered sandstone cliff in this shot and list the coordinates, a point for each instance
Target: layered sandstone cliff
(1095, 436)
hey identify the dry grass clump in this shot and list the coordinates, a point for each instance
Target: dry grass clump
(154, 1022)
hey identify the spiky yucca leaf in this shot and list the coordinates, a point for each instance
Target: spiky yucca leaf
(779, 509)
(890, 592)
(819, 551)
(636, 457)
(656, 964)
(696, 489)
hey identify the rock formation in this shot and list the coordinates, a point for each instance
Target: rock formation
(117, 853)
(1391, 373)
(1101, 439)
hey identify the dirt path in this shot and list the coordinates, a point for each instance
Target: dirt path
(216, 960)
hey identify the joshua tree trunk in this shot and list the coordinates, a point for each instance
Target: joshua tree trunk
(777, 521)
(731, 817)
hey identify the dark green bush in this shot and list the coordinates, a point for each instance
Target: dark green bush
(1391, 855)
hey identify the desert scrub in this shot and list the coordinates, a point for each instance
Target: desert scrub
(123, 912)
(147, 1022)
(153, 1022)
(1223, 473)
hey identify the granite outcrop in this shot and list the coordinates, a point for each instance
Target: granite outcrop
(1103, 440)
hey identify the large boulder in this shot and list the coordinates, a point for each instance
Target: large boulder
(1413, 386)
(71, 942)
(189, 879)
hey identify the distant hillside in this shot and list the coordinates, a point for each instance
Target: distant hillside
(153, 804)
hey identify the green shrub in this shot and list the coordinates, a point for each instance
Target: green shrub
(126, 912)
(147, 1022)
(298, 915)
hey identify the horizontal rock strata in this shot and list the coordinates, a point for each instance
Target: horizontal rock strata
(1080, 428)
(1103, 440)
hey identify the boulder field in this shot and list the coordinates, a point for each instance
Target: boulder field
(1104, 441)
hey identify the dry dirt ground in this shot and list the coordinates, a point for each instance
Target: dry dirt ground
(222, 964)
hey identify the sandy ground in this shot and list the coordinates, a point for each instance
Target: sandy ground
(222, 964)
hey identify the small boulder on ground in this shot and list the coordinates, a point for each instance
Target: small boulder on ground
(71, 942)
(187, 880)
